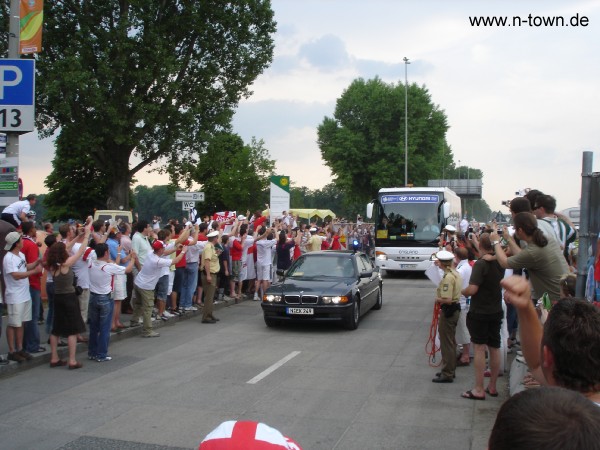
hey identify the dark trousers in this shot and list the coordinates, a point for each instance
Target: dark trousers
(447, 331)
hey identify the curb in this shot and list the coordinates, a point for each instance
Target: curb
(13, 368)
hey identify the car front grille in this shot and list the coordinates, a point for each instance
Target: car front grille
(309, 299)
(304, 299)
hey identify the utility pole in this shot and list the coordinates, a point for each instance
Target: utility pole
(406, 63)
(12, 138)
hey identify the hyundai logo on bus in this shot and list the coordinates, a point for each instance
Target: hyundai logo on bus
(410, 199)
(17, 89)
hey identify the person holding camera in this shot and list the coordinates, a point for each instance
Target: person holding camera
(68, 320)
(448, 296)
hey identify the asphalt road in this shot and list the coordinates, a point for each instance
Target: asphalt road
(325, 387)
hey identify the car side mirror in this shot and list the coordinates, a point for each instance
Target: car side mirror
(366, 274)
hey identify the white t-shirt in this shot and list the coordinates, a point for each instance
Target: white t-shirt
(141, 246)
(101, 276)
(17, 291)
(82, 267)
(193, 252)
(17, 208)
(464, 269)
(264, 251)
(151, 271)
(170, 256)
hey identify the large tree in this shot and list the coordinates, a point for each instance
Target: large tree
(133, 82)
(363, 144)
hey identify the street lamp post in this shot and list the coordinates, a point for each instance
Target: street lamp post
(406, 63)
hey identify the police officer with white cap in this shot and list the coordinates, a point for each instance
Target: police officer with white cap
(448, 296)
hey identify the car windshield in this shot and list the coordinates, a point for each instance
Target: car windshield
(313, 266)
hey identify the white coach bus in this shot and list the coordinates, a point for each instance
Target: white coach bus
(408, 222)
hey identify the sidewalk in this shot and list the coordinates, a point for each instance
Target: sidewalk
(44, 358)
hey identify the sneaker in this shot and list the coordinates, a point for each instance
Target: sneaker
(15, 356)
(25, 355)
(190, 308)
(168, 315)
(151, 334)
(104, 359)
(217, 302)
(134, 324)
(164, 317)
(255, 298)
(92, 357)
(3, 361)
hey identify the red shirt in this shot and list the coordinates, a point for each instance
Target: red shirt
(32, 254)
(335, 245)
(258, 222)
(181, 263)
(236, 250)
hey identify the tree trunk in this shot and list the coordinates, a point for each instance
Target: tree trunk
(118, 197)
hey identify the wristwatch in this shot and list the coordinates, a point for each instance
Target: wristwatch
(494, 243)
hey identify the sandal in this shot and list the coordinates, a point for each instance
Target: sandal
(59, 363)
(470, 396)
(490, 393)
(77, 365)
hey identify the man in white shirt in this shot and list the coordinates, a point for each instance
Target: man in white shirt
(16, 212)
(464, 225)
(265, 244)
(16, 274)
(101, 304)
(145, 283)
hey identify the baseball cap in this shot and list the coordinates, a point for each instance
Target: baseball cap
(157, 245)
(11, 238)
(241, 217)
(212, 234)
(313, 230)
(450, 228)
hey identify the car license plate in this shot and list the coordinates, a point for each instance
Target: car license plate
(302, 311)
(408, 266)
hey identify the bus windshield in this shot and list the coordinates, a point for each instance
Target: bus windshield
(414, 216)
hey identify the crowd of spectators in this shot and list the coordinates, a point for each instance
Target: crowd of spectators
(523, 276)
(95, 271)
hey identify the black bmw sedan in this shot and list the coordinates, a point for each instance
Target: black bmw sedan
(337, 286)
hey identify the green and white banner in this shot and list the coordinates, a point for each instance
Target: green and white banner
(280, 196)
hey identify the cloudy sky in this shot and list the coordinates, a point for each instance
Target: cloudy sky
(523, 103)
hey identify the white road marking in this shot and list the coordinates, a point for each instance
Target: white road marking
(273, 368)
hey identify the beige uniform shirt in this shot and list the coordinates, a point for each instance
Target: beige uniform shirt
(450, 285)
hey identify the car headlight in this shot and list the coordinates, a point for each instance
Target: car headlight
(381, 256)
(272, 298)
(336, 300)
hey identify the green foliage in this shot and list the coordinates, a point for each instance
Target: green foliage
(146, 79)
(234, 176)
(363, 144)
(157, 201)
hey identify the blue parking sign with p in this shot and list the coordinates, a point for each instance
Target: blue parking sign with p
(17, 94)
(17, 81)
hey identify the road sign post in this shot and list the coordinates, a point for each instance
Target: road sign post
(186, 206)
(182, 196)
